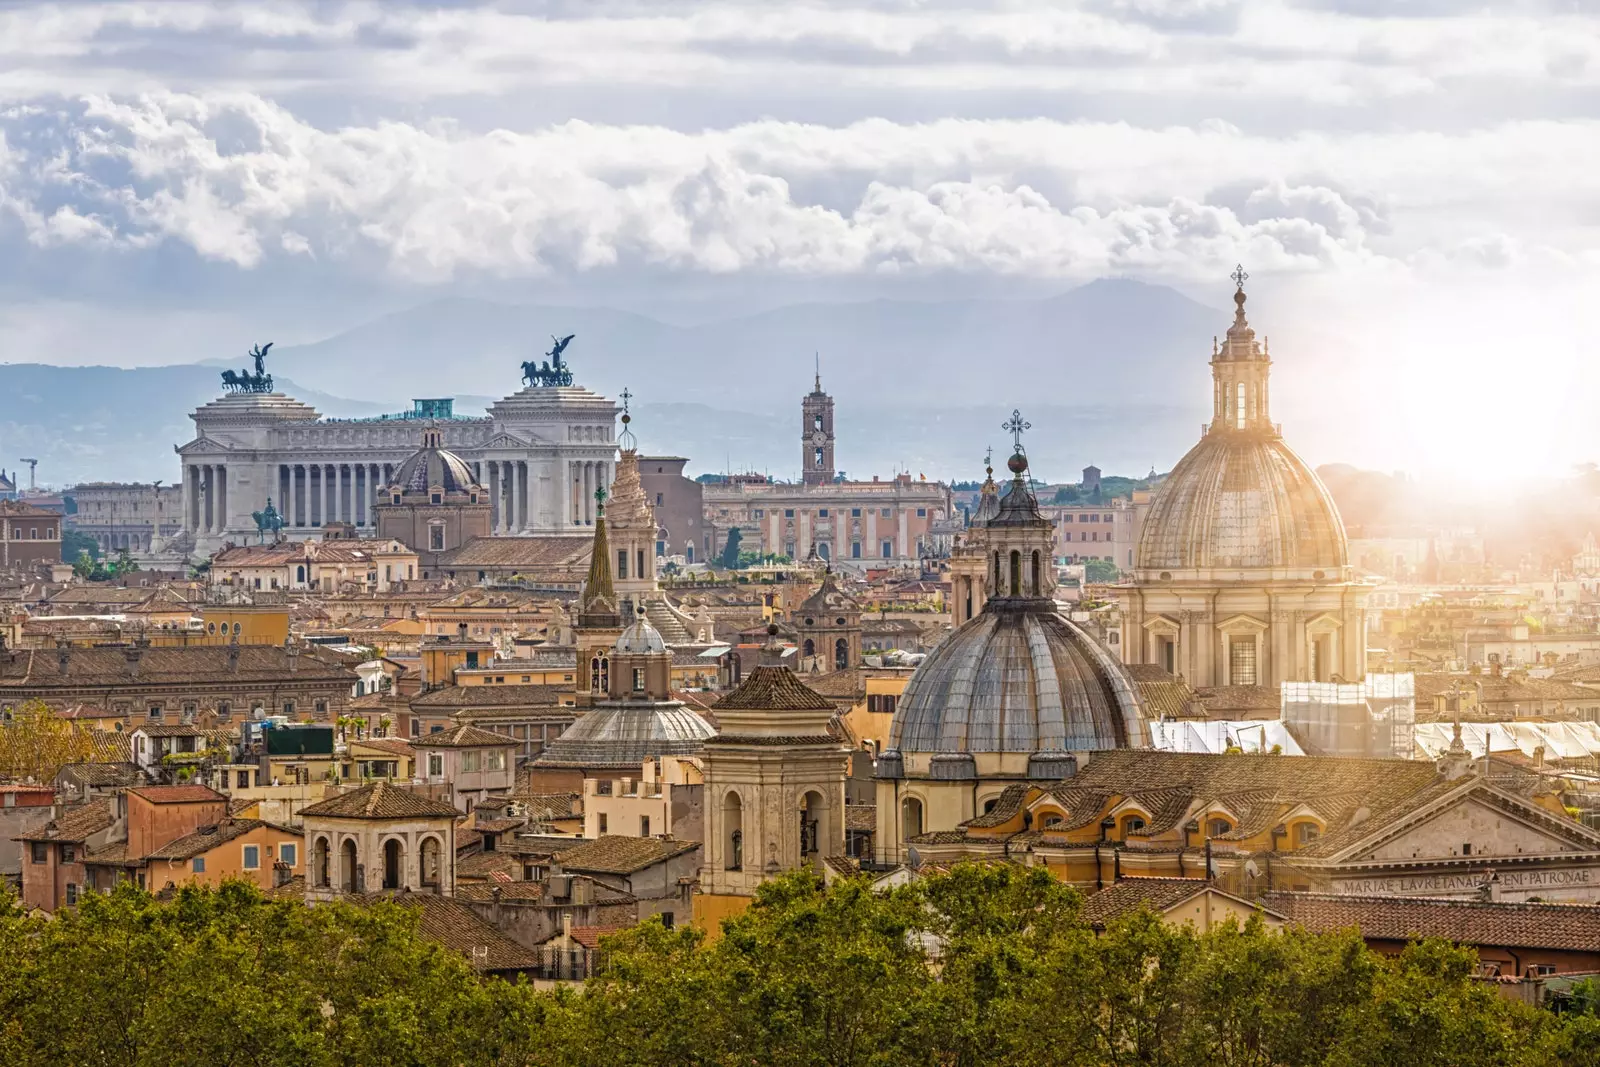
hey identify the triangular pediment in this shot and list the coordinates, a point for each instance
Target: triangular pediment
(502, 439)
(202, 446)
(1495, 824)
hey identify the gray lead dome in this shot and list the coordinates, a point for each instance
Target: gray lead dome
(1018, 678)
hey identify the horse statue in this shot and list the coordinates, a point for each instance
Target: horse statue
(266, 520)
(231, 381)
(553, 371)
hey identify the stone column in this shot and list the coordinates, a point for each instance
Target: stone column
(188, 497)
(222, 497)
(522, 496)
(211, 498)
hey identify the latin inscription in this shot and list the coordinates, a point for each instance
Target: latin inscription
(1448, 883)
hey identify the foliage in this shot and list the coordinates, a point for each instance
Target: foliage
(729, 558)
(989, 964)
(100, 570)
(1099, 570)
(36, 743)
(76, 543)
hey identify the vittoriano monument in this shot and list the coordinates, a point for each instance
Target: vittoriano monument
(245, 382)
(554, 371)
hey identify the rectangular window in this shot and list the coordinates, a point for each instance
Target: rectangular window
(241, 780)
(644, 826)
(289, 854)
(922, 513)
(40, 851)
(638, 679)
(822, 513)
(436, 538)
(788, 513)
(288, 707)
(855, 549)
(757, 513)
(155, 711)
(72, 892)
(1242, 661)
(224, 709)
(252, 857)
(888, 550)
(198, 865)
(496, 761)
(469, 762)
(600, 822)
(622, 563)
(435, 765)
(68, 854)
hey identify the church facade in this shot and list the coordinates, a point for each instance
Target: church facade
(539, 454)
(1242, 573)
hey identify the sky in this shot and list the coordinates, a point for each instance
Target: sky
(1409, 182)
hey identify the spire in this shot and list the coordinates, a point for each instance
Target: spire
(1239, 368)
(597, 607)
(626, 438)
(1241, 338)
(818, 384)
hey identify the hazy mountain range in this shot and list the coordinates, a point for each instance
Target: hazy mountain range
(1112, 373)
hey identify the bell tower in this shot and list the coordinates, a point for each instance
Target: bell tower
(1239, 370)
(816, 435)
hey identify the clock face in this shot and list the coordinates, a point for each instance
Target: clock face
(818, 437)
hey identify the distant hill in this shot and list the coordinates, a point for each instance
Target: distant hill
(1112, 373)
(1109, 342)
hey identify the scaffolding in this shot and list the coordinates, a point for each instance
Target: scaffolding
(1374, 718)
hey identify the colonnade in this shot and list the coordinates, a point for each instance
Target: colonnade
(205, 497)
(314, 494)
(513, 485)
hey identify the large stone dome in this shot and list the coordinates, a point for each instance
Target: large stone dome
(433, 465)
(1243, 500)
(1017, 678)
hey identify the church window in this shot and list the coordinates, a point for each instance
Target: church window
(824, 551)
(788, 549)
(640, 571)
(736, 850)
(922, 513)
(809, 649)
(855, 513)
(888, 550)
(817, 456)
(1037, 587)
(395, 499)
(1242, 661)
(638, 679)
(841, 654)
(436, 537)
(855, 549)
(816, 421)
(1016, 573)
(885, 513)
(822, 513)
(622, 563)
(757, 513)
(1238, 407)
(788, 513)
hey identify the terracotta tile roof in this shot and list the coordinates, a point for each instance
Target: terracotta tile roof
(1130, 894)
(166, 729)
(463, 736)
(776, 740)
(615, 854)
(101, 775)
(457, 927)
(550, 805)
(860, 817)
(1502, 689)
(31, 669)
(845, 866)
(776, 689)
(1006, 806)
(293, 889)
(207, 838)
(1235, 698)
(178, 794)
(569, 553)
(589, 936)
(479, 696)
(393, 745)
(1467, 922)
(511, 893)
(380, 800)
(483, 864)
(75, 825)
(111, 746)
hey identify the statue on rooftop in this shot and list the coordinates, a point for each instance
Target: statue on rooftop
(553, 371)
(245, 382)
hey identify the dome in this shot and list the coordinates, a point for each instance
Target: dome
(1017, 678)
(433, 465)
(1242, 499)
(625, 735)
(641, 638)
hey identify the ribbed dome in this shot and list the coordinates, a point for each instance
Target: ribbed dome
(1243, 500)
(433, 465)
(640, 639)
(625, 735)
(1018, 678)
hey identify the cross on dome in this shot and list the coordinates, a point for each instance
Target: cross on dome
(1239, 276)
(1015, 425)
(626, 438)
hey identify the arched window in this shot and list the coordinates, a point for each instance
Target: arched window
(1305, 833)
(394, 863)
(430, 863)
(1131, 824)
(1049, 820)
(1016, 574)
(320, 861)
(349, 868)
(1218, 826)
(300, 574)
(809, 649)
(841, 654)
(1238, 407)
(911, 817)
(994, 586)
(733, 826)
(1037, 590)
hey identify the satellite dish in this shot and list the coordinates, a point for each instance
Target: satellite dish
(913, 858)
(1251, 869)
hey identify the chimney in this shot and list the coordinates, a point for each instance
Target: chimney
(233, 655)
(294, 654)
(494, 905)
(62, 651)
(134, 654)
(461, 631)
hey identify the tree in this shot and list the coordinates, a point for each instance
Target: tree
(1100, 570)
(36, 743)
(76, 543)
(730, 549)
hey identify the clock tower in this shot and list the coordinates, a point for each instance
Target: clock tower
(816, 435)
